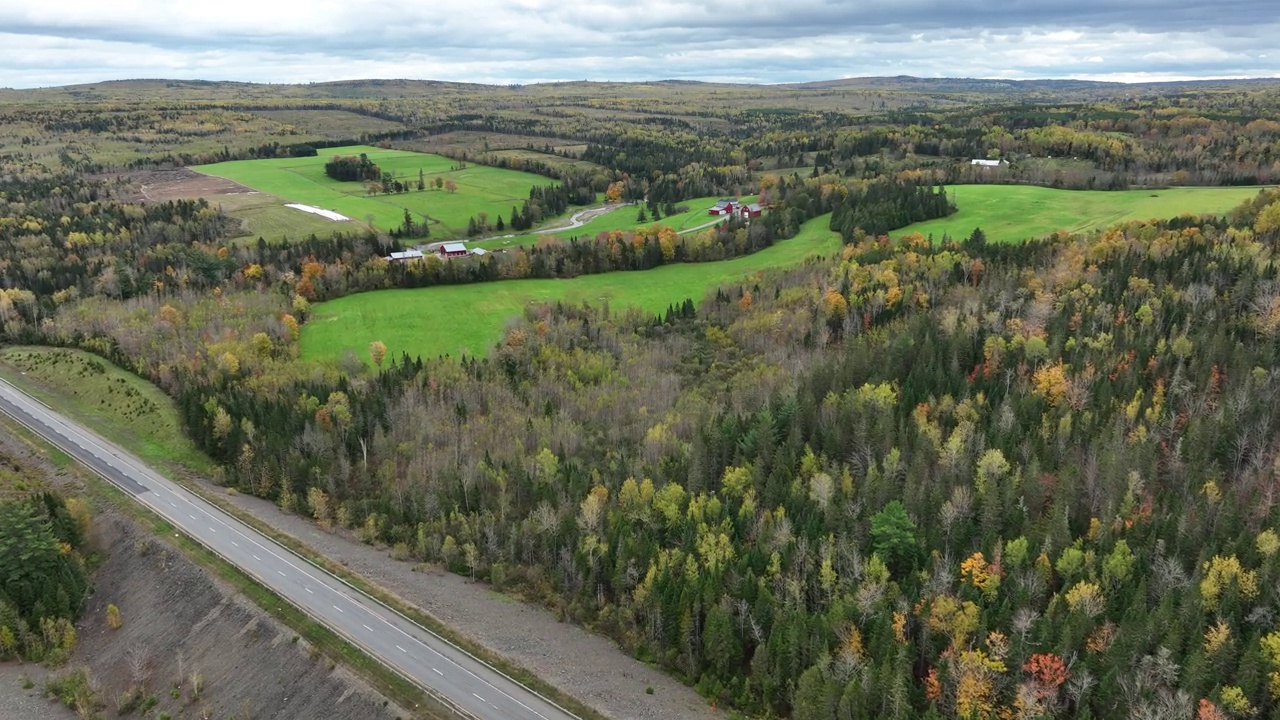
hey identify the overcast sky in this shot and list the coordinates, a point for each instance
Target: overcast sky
(60, 42)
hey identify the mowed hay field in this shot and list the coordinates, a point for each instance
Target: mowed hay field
(302, 180)
(265, 216)
(456, 319)
(1012, 213)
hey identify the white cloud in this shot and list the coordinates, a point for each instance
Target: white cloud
(68, 41)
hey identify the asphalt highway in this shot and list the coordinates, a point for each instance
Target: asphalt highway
(470, 687)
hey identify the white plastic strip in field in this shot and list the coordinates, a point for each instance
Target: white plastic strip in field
(331, 215)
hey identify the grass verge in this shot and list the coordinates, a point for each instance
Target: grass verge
(173, 467)
(121, 406)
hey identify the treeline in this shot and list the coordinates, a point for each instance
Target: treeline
(43, 583)
(877, 207)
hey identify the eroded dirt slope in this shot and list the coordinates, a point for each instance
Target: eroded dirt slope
(180, 626)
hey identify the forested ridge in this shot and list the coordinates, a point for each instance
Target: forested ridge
(930, 477)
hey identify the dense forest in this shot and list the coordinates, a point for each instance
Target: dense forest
(930, 477)
(43, 583)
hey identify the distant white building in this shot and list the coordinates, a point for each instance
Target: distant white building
(988, 163)
(406, 255)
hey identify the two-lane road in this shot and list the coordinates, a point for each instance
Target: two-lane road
(473, 688)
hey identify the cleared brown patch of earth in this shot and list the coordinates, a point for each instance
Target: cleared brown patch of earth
(260, 214)
(182, 184)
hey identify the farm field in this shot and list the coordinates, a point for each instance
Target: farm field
(621, 218)
(265, 216)
(449, 320)
(302, 180)
(1011, 213)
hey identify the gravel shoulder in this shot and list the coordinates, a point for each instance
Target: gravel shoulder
(587, 666)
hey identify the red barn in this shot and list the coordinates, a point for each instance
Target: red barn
(749, 211)
(454, 249)
(725, 207)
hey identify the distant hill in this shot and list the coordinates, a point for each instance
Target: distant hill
(194, 90)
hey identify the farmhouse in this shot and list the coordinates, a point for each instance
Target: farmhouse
(453, 249)
(405, 256)
(988, 163)
(727, 206)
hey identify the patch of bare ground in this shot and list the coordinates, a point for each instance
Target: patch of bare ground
(22, 694)
(188, 645)
(588, 666)
(181, 184)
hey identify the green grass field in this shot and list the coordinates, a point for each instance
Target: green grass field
(623, 218)
(122, 406)
(265, 216)
(471, 318)
(1011, 213)
(302, 180)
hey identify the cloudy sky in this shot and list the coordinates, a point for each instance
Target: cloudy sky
(59, 42)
